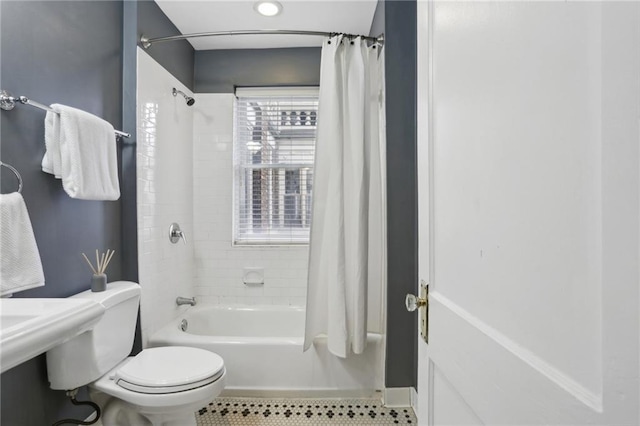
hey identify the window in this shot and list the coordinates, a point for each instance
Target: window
(274, 145)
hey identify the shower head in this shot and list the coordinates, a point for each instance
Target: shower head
(189, 99)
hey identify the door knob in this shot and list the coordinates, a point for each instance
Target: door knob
(413, 302)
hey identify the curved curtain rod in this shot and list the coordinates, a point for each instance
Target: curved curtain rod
(147, 42)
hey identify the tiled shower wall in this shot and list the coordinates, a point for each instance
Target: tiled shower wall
(219, 264)
(165, 194)
(192, 184)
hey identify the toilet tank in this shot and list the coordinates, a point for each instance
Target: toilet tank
(90, 355)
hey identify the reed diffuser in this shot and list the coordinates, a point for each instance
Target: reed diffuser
(99, 279)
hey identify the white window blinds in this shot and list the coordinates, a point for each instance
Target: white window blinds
(274, 145)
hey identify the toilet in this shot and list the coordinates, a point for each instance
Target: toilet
(161, 386)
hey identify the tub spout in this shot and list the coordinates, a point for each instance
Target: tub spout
(186, 301)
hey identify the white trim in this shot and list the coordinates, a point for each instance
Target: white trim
(276, 231)
(397, 397)
(300, 393)
(278, 91)
(414, 399)
(581, 393)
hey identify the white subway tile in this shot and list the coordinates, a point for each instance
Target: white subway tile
(298, 301)
(213, 300)
(228, 300)
(281, 301)
(165, 162)
(218, 263)
(274, 291)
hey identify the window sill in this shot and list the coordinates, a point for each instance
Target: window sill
(268, 244)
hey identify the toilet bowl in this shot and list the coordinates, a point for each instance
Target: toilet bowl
(161, 386)
(165, 386)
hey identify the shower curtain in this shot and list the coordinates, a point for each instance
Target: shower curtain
(347, 244)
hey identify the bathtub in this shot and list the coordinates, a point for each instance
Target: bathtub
(262, 350)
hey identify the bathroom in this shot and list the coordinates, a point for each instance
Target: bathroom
(86, 54)
(87, 68)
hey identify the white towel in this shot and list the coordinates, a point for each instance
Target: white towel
(51, 159)
(20, 265)
(81, 150)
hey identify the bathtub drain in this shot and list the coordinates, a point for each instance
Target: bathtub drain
(183, 325)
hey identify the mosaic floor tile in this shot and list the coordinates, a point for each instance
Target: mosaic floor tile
(294, 412)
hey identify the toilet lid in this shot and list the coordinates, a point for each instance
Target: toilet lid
(170, 369)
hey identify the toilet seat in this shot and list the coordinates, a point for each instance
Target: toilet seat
(192, 399)
(169, 369)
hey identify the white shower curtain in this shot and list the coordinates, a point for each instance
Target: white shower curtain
(347, 247)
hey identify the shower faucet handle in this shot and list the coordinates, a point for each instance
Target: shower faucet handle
(175, 233)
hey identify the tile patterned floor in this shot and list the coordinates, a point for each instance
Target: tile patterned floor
(295, 412)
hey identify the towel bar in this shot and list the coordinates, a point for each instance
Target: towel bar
(8, 102)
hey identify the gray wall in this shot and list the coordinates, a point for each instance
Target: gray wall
(128, 188)
(397, 19)
(177, 57)
(82, 54)
(66, 52)
(220, 71)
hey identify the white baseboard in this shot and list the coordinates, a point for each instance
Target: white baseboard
(300, 393)
(398, 397)
(414, 399)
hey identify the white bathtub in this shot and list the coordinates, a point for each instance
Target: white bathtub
(262, 350)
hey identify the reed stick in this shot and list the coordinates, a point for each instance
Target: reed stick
(102, 261)
(109, 258)
(90, 265)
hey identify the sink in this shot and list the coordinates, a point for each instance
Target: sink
(29, 327)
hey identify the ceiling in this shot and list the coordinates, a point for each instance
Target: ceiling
(347, 16)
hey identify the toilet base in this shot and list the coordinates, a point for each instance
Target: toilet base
(120, 413)
(116, 412)
(122, 407)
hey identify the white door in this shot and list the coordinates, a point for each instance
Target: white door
(529, 212)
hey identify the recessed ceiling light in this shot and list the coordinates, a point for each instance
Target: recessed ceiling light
(268, 8)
